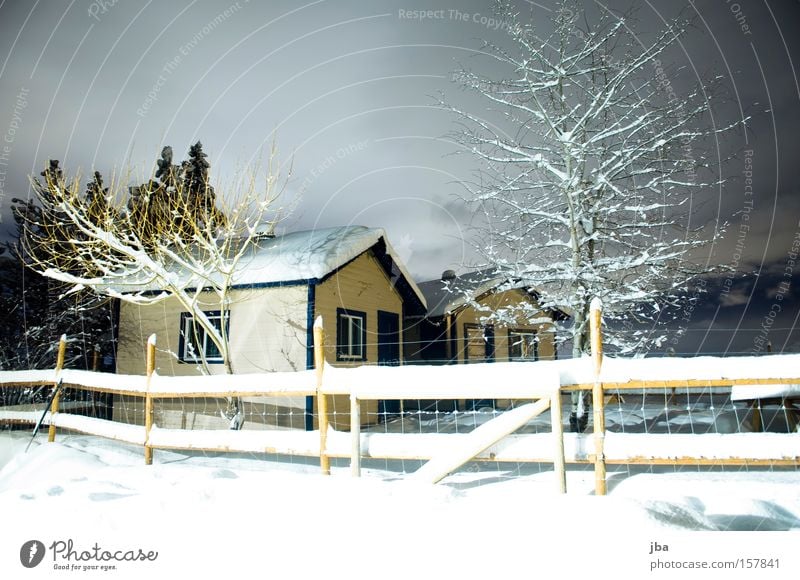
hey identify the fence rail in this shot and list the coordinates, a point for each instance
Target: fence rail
(543, 383)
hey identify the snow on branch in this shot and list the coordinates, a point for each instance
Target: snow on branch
(167, 239)
(587, 158)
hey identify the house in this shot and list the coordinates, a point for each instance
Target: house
(350, 276)
(458, 327)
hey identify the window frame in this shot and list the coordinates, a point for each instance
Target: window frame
(186, 339)
(523, 332)
(488, 338)
(344, 352)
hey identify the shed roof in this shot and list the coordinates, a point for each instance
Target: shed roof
(444, 296)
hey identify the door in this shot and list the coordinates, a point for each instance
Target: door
(479, 348)
(388, 355)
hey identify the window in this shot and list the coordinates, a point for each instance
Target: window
(523, 345)
(351, 335)
(478, 343)
(194, 342)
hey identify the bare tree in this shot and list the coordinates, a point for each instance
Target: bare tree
(589, 168)
(170, 240)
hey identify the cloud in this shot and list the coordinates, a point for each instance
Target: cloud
(735, 297)
(774, 291)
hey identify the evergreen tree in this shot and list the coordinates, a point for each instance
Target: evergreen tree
(195, 175)
(42, 309)
(97, 199)
(179, 201)
(199, 193)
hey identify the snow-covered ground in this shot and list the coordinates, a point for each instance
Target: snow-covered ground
(226, 515)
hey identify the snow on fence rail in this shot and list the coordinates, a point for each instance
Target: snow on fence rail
(543, 381)
(776, 374)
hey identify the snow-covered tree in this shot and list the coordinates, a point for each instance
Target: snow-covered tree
(589, 160)
(166, 242)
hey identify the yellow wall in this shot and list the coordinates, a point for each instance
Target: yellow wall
(497, 301)
(469, 315)
(364, 286)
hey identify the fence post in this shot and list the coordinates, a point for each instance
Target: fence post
(598, 400)
(322, 399)
(62, 351)
(758, 419)
(148, 400)
(355, 435)
(558, 433)
(95, 397)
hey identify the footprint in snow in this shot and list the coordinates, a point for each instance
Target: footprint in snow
(55, 490)
(117, 485)
(105, 496)
(224, 474)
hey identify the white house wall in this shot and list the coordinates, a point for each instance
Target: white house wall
(267, 333)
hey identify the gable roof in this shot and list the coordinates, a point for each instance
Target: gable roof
(444, 296)
(312, 255)
(308, 257)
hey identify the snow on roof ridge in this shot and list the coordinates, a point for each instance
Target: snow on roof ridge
(326, 249)
(301, 257)
(306, 254)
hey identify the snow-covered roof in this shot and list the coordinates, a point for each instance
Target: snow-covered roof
(311, 255)
(314, 254)
(444, 296)
(306, 255)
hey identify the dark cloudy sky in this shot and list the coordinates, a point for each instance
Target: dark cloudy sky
(346, 90)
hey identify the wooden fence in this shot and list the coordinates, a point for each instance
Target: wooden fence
(543, 383)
